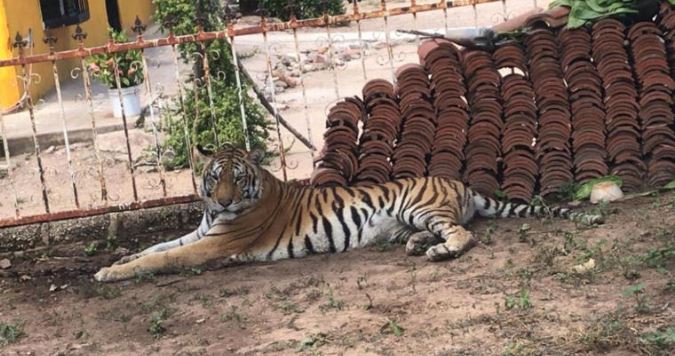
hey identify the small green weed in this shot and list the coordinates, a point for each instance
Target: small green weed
(520, 300)
(638, 292)
(332, 302)
(91, 248)
(312, 342)
(10, 333)
(392, 327)
(661, 339)
(156, 327)
(234, 315)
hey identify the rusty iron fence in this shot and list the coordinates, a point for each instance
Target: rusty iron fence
(101, 174)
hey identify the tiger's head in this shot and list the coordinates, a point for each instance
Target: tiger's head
(232, 180)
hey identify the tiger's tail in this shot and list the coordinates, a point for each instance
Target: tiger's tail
(491, 208)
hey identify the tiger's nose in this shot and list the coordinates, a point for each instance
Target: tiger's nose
(225, 202)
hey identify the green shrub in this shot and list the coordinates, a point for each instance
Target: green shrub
(186, 14)
(304, 9)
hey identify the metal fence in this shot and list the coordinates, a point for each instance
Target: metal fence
(81, 162)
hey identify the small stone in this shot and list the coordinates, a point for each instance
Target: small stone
(201, 321)
(584, 267)
(5, 263)
(51, 149)
(53, 288)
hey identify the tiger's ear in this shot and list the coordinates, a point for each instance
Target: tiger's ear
(256, 156)
(201, 155)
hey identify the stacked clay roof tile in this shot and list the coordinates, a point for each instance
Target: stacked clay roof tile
(655, 86)
(417, 121)
(339, 161)
(441, 60)
(520, 129)
(585, 93)
(380, 131)
(485, 126)
(621, 120)
(528, 118)
(553, 150)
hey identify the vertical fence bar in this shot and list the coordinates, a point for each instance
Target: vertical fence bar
(181, 101)
(390, 53)
(331, 54)
(229, 17)
(8, 162)
(444, 5)
(504, 10)
(207, 81)
(50, 40)
(413, 3)
(282, 151)
(139, 28)
(301, 68)
(475, 13)
(240, 91)
(362, 44)
(80, 35)
(124, 123)
(21, 43)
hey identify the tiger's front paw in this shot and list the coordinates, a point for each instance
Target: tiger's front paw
(112, 274)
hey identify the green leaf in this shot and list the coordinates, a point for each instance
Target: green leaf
(671, 184)
(573, 22)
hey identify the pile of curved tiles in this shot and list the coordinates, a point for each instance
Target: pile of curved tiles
(441, 60)
(655, 92)
(379, 133)
(621, 120)
(585, 92)
(418, 118)
(529, 118)
(339, 161)
(555, 128)
(483, 145)
(520, 129)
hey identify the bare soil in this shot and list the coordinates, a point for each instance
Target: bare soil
(514, 293)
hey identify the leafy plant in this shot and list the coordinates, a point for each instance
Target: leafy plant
(585, 11)
(129, 65)
(208, 119)
(304, 9)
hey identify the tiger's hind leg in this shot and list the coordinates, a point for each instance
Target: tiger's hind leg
(442, 225)
(457, 241)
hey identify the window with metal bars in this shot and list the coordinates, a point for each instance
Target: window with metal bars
(57, 13)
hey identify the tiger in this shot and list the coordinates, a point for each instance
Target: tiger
(250, 215)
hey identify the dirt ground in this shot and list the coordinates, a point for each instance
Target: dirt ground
(515, 293)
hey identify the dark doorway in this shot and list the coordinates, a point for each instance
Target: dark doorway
(113, 10)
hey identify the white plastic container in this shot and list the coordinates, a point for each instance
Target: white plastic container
(130, 98)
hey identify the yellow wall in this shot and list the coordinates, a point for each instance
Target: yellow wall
(24, 15)
(130, 8)
(8, 94)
